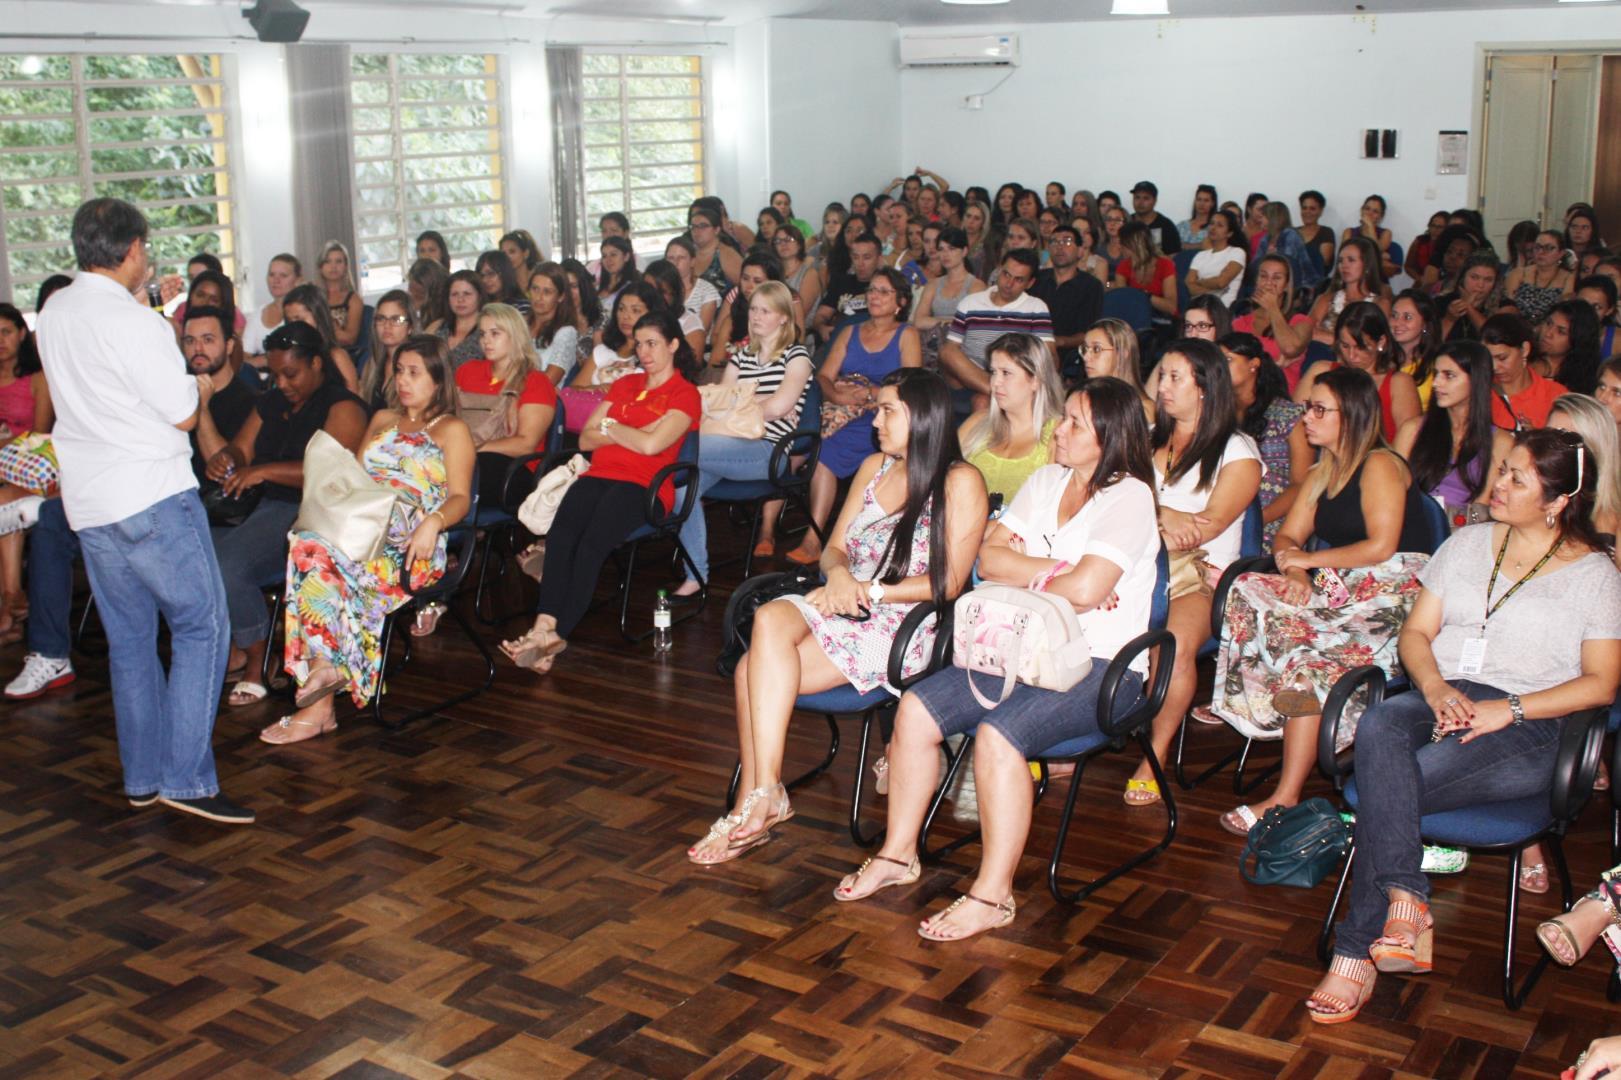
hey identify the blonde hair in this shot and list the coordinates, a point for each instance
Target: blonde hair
(523, 359)
(781, 300)
(1035, 358)
(1126, 359)
(1593, 422)
(348, 261)
(1361, 432)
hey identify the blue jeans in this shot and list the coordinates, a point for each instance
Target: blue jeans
(53, 548)
(160, 561)
(1401, 776)
(721, 457)
(250, 556)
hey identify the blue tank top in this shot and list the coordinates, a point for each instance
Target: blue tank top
(874, 365)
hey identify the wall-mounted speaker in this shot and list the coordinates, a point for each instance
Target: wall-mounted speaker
(277, 21)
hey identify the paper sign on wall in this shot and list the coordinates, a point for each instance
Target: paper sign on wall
(1452, 153)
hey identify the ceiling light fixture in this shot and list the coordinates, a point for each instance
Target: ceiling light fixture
(1140, 7)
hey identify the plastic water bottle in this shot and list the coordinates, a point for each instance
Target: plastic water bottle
(661, 623)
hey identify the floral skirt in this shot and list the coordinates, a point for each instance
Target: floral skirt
(336, 608)
(1269, 645)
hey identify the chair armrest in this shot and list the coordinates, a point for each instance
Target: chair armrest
(1255, 564)
(1333, 766)
(1581, 745)
(519, 481)
(903, 642)
(804, 442)
(460, 540)
(1154, 695)
(654, 510)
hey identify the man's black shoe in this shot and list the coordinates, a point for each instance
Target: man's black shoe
(213, 807)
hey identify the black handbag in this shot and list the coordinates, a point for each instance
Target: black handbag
(1296, 845)
(738, 624)
(229, 511)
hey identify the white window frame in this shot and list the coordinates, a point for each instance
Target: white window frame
(647, 243)
(502, 176)
(86, 177)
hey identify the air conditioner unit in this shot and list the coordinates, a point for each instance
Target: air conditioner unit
(982, 50)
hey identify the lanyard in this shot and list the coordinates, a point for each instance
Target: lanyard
(1491, 608)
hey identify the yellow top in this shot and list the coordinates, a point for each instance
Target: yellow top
(1424, 387)
(1004, 476)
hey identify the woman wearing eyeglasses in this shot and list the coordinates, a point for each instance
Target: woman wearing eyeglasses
(801, 276)
(1534, 289)
(714, 262)
(391, 325)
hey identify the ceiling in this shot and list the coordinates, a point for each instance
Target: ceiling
(926, 13)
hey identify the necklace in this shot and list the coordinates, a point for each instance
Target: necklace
(1491, 583)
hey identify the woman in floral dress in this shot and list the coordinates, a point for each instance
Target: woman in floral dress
(908, 533)
(1287, 637)
(336, 607)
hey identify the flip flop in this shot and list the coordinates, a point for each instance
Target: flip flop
(1007, 909)
(251, 691)
(1239, 821)
(844, 893)
(308, 695)
(1147, 788)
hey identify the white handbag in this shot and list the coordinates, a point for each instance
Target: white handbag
(540, 507)
(1020, 635)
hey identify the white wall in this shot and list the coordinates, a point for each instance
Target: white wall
(1273, 104)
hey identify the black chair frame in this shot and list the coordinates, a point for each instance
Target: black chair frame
(516, 486)
(684, 474)
(789, 484)
(1133, 727)
(1581, 745)
(897, 658)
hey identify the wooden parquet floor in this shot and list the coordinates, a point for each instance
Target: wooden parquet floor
(503, 892)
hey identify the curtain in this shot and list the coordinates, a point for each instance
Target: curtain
(323, 168)
(564, 77)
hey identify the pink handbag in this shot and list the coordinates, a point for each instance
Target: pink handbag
(1020, 635)
(578, 405)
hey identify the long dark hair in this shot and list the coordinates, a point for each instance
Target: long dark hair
(628, 274)
(1214, 306)
(313, 300)
(1218, 415)
(1122, 433)
(433, 279)
(1366, 323)
(498, 261)
(27, 353)
(1361, 430)
(663, 276)
(590, 305)
(651, 298)
(444, 248)
(227, 293)
(932, 451)
(1555, 455)
(1431, 458)
(1270, 382)
(665, 322)
(565, 314)
(739, 308)
(1579, 372)
(1429, 339)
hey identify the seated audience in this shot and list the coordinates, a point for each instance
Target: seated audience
(698, 296)
(460, 329)
(1591, 420)
(1453, 448)
(1356, 279)
(861, 357)
(506, 403)
(391, 324)
(1418, 252)
(1415, 335)
(1144, 269)
(1012, 437)
(283, 274)
(1533, 289)
(1218, 270)
(633, 434)
(1318, 237)
(663, 276)
(1207, 319)
(772, 360)
(1109, 351)
(831, 237)
(909, 532)
(1283, 240)
(845, 301)
(342, 300)
(305, 304)
(1284, 334)
(1162, 232)
(713, 261)
(1568, 346)
(553, 322)
(1207, 473)
(784, 205)
(1478, 297)
(589, 314)
(1522, 396)
(1082, 529)
(1073, 297)
(498, 281)
(799, 272)
(1601, 291)
(431, 245)
(731, 330)
(1192, 232)
(615, 355)
(982, 317)
(1370, 227)
(1362, 340)
(1267, 415)
(524, 254)
(1535, 589)
(1112, 249)
(1361, 505)
(428, 284)
(25, 408)
(336, 607)
(1453, 249)
(267, 453)
(936, 305)
(1608, 391)
(617, 268)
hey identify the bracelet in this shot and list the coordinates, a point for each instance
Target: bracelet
(1516, 710)
(434, 513)
(1040, 582)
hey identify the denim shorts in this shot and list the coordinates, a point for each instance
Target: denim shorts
(1031, 719)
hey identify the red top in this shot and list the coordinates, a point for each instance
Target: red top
(630, 402)
(478, 377)
(1163, 268)
(1533, 404)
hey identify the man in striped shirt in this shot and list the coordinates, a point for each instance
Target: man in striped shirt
(981, 318)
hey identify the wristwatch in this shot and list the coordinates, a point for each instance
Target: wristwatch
(1516, 710)
(875, 591)
(606, 423)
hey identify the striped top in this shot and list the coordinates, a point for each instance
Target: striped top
(767, 378)
(979, 322)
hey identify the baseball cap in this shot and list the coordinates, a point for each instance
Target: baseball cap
(1146, 185)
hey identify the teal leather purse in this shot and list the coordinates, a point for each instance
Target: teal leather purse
(1296, 845)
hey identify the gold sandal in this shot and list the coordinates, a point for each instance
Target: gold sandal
(1006, 908)
(844, 893)
(290, 729)
(778, 810)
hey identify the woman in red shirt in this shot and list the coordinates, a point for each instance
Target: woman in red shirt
(1145, 268)
(634, 433)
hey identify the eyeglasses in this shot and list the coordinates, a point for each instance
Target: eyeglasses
(696, 225)
(1545, 247)
(1096, 350)
(1198, 327)
(1061, 241)
(1319, 411)
(881, 292)
(395, 320)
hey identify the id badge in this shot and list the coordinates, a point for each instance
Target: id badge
(1612, 938)
(1473, 659)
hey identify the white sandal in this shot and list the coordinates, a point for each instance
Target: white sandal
(252, 691)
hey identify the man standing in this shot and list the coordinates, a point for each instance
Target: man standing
(1074, 298)
(124, 403)
(981, 318)
(207, 340)
(1143, 199)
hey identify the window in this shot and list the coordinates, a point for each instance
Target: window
(643, 143)
(427, 149)
(153, 130)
